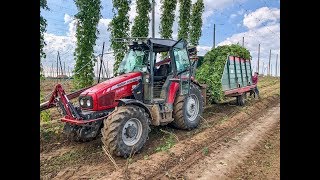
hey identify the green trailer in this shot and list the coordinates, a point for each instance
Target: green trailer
(236, 78)
(237, 73)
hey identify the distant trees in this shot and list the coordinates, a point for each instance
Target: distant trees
(119, 28)
(140, 27)
(167, 17)
(87, 18)
(43, 25)
(184, 19)
(196, 22)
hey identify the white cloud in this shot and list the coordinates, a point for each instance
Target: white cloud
(66, 45)
(67, 18)
(202, 50)
(233, 16)
(72, 29)
(267, 36)
(260, 16)
(210, 6)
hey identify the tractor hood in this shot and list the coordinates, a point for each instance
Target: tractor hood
(113, 83)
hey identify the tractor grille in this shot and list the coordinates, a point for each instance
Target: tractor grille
(107, 99)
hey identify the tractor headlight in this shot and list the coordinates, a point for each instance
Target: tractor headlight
(81, 102)
(88, 103)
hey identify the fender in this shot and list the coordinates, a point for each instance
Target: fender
(197, 83)
(174, 87)
(124, 102)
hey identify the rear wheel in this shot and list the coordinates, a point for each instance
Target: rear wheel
(241, 100)
(187, 110)
(125, 130)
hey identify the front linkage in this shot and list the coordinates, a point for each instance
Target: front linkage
(80, 125)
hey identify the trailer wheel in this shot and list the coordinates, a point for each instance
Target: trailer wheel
(125, 131)
(187, 110)
(240, 100)
(245, 95)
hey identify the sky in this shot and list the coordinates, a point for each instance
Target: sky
(258, 21)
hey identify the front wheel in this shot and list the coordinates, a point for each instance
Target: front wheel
(188, 109)
(125, 131)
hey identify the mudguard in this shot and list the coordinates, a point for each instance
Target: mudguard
(124, 102)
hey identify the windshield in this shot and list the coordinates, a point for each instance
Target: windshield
(134, 60)
(181, 58)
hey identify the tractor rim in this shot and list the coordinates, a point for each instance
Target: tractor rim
(132, 131)
(192, 107)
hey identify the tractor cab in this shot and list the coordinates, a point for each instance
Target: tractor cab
(164, 64)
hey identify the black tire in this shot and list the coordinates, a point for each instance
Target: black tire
(182, 120)
(245, 95)
(113, 134)
(241, 100)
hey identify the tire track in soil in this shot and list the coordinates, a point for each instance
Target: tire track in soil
(264, 162)
(159, 163)
(225, 158)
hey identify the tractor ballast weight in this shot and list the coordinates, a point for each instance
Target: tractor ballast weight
(146, 92)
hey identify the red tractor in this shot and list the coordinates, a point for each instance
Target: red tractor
(145, 92)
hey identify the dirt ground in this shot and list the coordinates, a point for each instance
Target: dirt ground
(231, 142)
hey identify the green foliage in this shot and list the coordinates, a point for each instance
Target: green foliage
(140, 27)
(119, 28)
(169, 143)
(167, 17)
(43, 25)
(184, 19)
(196, 22)
(205, 151)
(130, 160)
(146, 157)
(210, 72)
(44, 115)
(87, 20)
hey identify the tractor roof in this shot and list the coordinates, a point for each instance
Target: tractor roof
(162, 45)
(162, 42)
(159, 44)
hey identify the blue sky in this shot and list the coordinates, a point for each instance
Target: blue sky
(257, 20)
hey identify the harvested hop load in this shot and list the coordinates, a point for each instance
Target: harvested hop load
(211, 70)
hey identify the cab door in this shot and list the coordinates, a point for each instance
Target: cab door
(182, 64)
